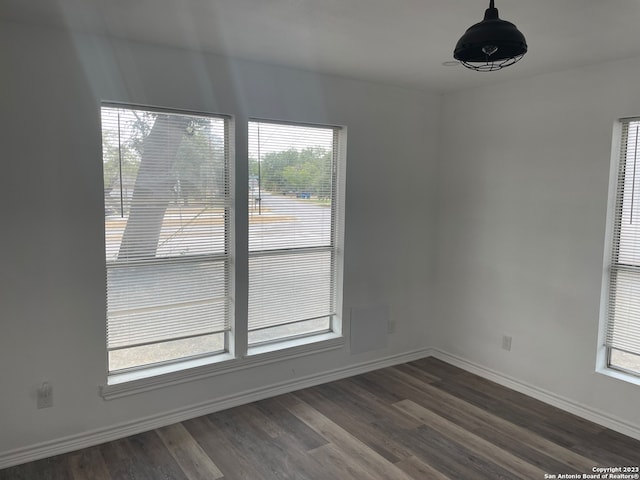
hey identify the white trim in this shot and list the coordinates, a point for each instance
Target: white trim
(95, 437)
(614, 165)
(545, 396)
(618, 374)
(102, 435)
(280, 349)
(217, 365)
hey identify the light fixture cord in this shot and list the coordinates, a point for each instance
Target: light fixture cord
(491, 4)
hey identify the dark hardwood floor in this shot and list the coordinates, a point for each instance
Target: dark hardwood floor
(421, 420)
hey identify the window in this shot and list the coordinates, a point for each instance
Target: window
(294, 231)
(167, 205)
(623, 302)
(169, 242)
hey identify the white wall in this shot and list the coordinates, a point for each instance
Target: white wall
(523, 184)
(52, 276)
(520, 190)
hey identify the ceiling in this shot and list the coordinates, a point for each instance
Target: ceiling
(400, 42)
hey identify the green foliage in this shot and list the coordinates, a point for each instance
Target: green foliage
(141, 127)
(254, 168)
(199, 165)
(115, 157)
(296, 171)
(197, 170)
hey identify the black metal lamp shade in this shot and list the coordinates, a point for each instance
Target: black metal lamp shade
(490, 45)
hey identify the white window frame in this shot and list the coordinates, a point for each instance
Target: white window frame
(612, 239)
(125, 337)
(238, 355)
(334, 248)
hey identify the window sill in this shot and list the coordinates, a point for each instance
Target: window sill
(619, 375)
(131, 383)
(286, 346)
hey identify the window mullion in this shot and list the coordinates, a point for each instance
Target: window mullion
(240, 241)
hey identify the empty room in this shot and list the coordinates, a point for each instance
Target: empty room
(317, 240)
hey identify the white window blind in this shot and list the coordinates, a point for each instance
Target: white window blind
(293, 222)
(623, 322)
(166, 178)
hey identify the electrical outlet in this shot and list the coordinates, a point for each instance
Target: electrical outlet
(506, 342)
(45, 395)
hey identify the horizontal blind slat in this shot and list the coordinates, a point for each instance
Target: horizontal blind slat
(292, 198)
(167, 199)
(288, 288)
(623, 316)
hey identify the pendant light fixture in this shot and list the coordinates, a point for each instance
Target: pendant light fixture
(490, 45)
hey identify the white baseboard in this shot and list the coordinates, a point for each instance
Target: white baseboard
(545, 396)
(96, 437)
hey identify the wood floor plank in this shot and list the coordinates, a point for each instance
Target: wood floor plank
(373, 435)
(389, 380)
(340, 466)
(416, 468)
(273, 458)
(53, 468)
(295, 438)
(437, 367)
(358, 398)
(559, 432)
(347, 443)
(614, 441)
(119, 463)
(263, 414)
(517, 466)
(405, 377)
(152, 457)
(511, 412)
(417, 372)
(129, 459)
(193, 461)
(422, 420)
(383, 393)
(287, 426)
(491, 426)
(453, 459)
(459, 398)
(88, 463)
(233, 463)
(551, 422)
(349, 400)
(553, 415)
